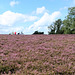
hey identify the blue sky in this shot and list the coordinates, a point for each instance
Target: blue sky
(31, 15)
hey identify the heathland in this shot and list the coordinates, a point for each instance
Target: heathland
(37, 54)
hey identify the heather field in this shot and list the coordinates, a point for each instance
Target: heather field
(37, 54)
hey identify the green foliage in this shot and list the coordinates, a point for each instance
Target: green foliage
(67, 26)
(55, 28)
(69, 22)
(58, 24)
(36, 32)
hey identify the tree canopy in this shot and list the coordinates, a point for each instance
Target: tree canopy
(69, 22)
(36, 32)
(56, 27)
(67, 26)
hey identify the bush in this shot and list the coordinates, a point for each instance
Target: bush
(36, 32)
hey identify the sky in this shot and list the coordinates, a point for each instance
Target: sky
(28, 16)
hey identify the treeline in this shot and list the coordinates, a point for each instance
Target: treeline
(67, 26)
(36, 32)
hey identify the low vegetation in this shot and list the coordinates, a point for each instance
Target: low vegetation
(37, 54)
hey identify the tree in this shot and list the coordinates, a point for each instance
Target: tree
(56, 27)
(58, 24)
(51, 29)
(69, 22)
(36, 32)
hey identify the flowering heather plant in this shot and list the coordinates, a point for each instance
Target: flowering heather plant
(37, 54)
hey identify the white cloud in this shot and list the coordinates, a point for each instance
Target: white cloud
(10, 29)
(12, 3)
(30, 18)
(9, 18)
(44, 21)
(40, 10)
